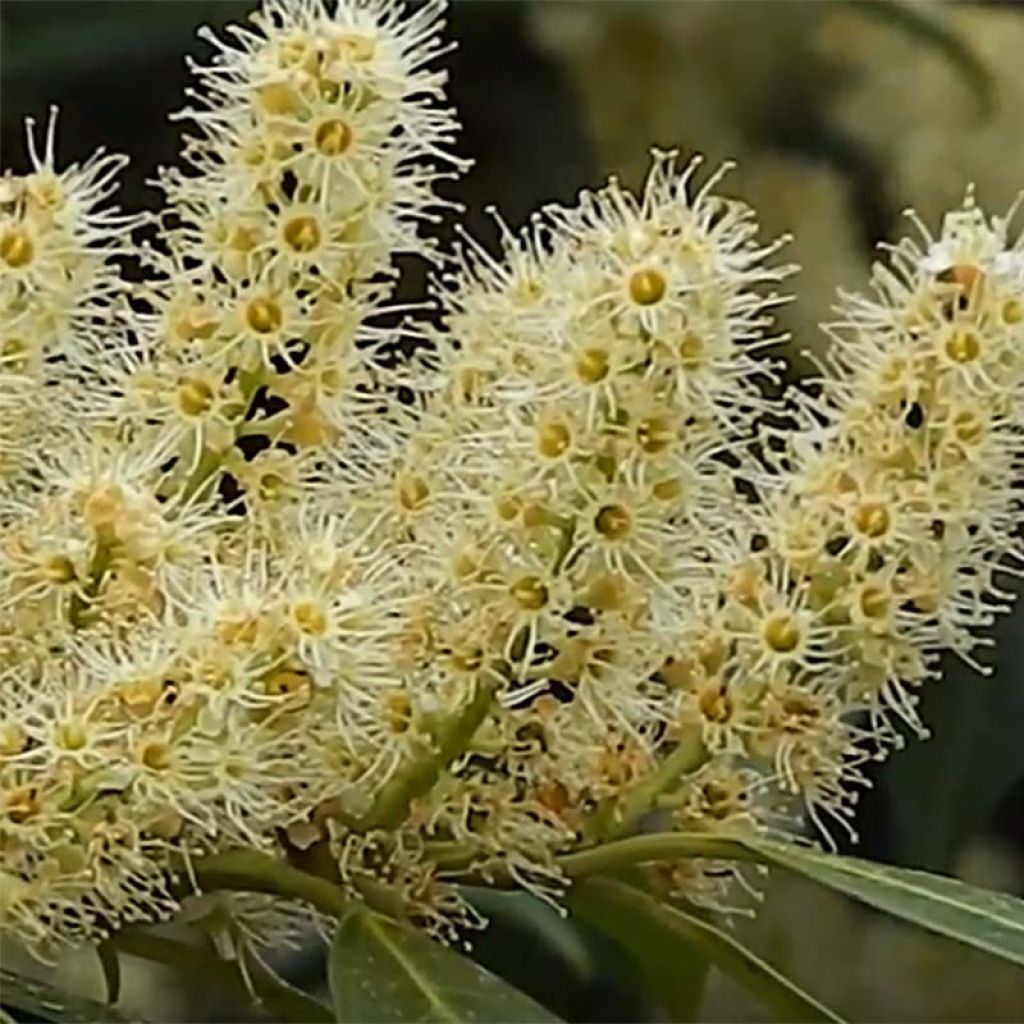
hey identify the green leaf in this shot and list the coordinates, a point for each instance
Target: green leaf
(49, 1003)
(929, 28)
(383, 971)
(666, 940)
(937, 796)
(989, 920)
(281, 1000)
(674, 978)
(111, 967)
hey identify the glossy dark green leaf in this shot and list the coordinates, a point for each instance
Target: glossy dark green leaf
(49, 1003)
(382, 971)
(989, 920)
(677, 942)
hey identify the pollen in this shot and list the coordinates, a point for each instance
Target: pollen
(553, 440)
(874, 602)
(194, 397)
(647, 287)
(968, 428)
(691, 350)
(467, 659)
(592, 365)
(963, 347)
(782, 633)
(309, 618)
(16, 248)
(654, 434)
(413, 493)
(715, 704)
(613, 522)
(333, 137)
(156, 755)
(264, 315)
(530, 593)
(70, 736)
(302, 234)
(1012, 311)
(59, 569)
(872, 519)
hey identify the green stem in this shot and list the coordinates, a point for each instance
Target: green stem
(208, 464)
(622, 815)
(645, 849)
(253, 871)
(284, 1001)
(79, 605)
(419, 775)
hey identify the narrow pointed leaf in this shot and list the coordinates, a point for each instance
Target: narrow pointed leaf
(671, 937)
(989, 920)
(382, 971)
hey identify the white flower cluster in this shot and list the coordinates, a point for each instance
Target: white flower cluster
(265, 582)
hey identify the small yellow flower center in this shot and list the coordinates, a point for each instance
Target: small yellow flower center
(329, 90)
(654, 434)
(195, 324)
(22, 803)
(691, 350)
(963, 347)
(14, 354)
(508, 506)
(668, 489)
(872, 519)
(716, 705)
(302, 234)
(333, 137)
(553, 440)
(968, 428)
(398, 711)
(16, 248)
(468, 659)
(286, 682)
(13, 739)
(240, 629)
(647, 287)
(309, 617)
(156, 755)
(1013, 311)
(782, 633)
(592, 365)
(70, 736)
(413, 493)
(59, 569)
(272, 486)
(195, 397)
(530, 593)
(279, 98)
(357, 48)
(612, 522)
(874, 602)
(264, 315)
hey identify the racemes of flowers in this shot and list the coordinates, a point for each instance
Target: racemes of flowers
(457, 599)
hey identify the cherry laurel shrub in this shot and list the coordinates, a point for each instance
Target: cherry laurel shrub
(555, 587)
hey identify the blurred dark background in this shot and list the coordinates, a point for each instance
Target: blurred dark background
(840, 114)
